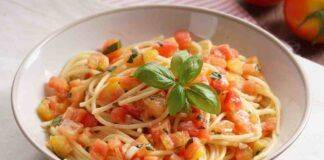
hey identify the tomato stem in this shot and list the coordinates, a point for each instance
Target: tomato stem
(320, 16)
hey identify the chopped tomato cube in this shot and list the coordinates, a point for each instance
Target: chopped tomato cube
(134, 110)
(167, 49)
(232, 102)
(89, 120)
(159, 128)
(190, 127)
(99, 150)
(242, 122)
(77, 94)
(110, 93)
(180, 138)
(118, 115)
(75, 114)
(244, 154)
(70, 129)
(220, 84)
(224, 127)
(183, 38)
(128, 82)
(60, 86)
(194, 149)
(75, 83)
(227, 51)
(269, 125)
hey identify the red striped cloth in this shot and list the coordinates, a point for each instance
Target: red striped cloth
(227, 6)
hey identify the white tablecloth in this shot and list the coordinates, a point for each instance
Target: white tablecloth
(25, 23)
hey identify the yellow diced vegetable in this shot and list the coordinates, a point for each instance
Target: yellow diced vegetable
(206, 46)
(44, 111)
(167, 141)
(135, 62)
(171, 39)
(235, 65)
(194, 48)
(150, 55)
(259, 145)
(142, 139)
(60, 145)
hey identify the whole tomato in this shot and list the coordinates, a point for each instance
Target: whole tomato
(263, 3)
(306, 19)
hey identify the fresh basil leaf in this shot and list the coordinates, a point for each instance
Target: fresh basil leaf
(187, 107)
(112, 68)
(176, 99)
(190, 69)
(132, 56)
(216, 76)
(177, 60)
(155, 75)
(203, 97)
(113, 47)
(57, 121)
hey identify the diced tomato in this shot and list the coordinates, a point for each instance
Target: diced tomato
(166, 141)
(224, 127)
(242, 122)
(118, 115)
(99, 150)
(252, 59)
(58, 108)
(204, 135)
(98, 62)
(194, 149)
(167, 49)
(70, 129)
(128, 82)
(252, 69)
(227, 51)
(198, 120)
(155, 105)
(89, 120)
(190, 127)
(220, 84)
(183, 38)
(201, 79)
(215, 51)
(160, 128)
(75, 114)
(180, 138)
(77, 94)
(134, 110)
(244, 154)
(151, 158)
(250, 87)
(44, 111)
(85, 138)
(113, 56)
(215, 61)
(232, 102)
(175, 157)
(269, 125)
(110, 93)
(136, 61)
(60, 86)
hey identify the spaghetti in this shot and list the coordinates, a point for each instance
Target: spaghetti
(100, 111)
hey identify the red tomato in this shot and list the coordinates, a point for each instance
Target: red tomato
(190, 127)
(118, 115)
(204, 134)
(297, 11)
(160, 128)
(244, 154)
(224, 127)
(114, 55)
(89, 120)
(269, 125)
(183, 38)
(75, 83)
(249, 87)
(70, 129)
(60, 86)
(242, 122)
(167, 49)
(220, 84)
(194, 150)
(198, 120)
(110, 93)
(75, 114)
(227, 51)
(98, 150)
(128, 82)
(263, 3)
(232, 102)
(134, 110)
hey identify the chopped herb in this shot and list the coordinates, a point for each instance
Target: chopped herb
(57, 121)
(258, 152)
(69, 95)
(190, 141)
(113, 47)
(216, 76)
(165, 130)
(111, 68)
(133, 55)
(199, 117)
(87, 148)
(149, 147)
(202, 127)
(139, 145)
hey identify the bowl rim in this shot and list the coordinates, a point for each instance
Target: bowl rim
(263, 32)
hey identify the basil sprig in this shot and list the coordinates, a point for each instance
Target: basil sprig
(186, 68)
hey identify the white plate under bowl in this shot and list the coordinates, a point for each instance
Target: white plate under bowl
(135, 24)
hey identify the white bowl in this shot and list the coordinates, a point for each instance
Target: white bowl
(135, 24)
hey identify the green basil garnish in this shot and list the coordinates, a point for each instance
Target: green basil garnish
(112, 68)
(155, 75)
(176, 99)
(177, 61)
(113, 47)
(190, 69)
(203, 97)
(57, 121)
(216, 76)
(186, 68)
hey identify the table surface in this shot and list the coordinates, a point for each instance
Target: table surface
(25, 23)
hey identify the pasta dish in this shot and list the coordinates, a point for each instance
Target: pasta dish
(164, 99)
